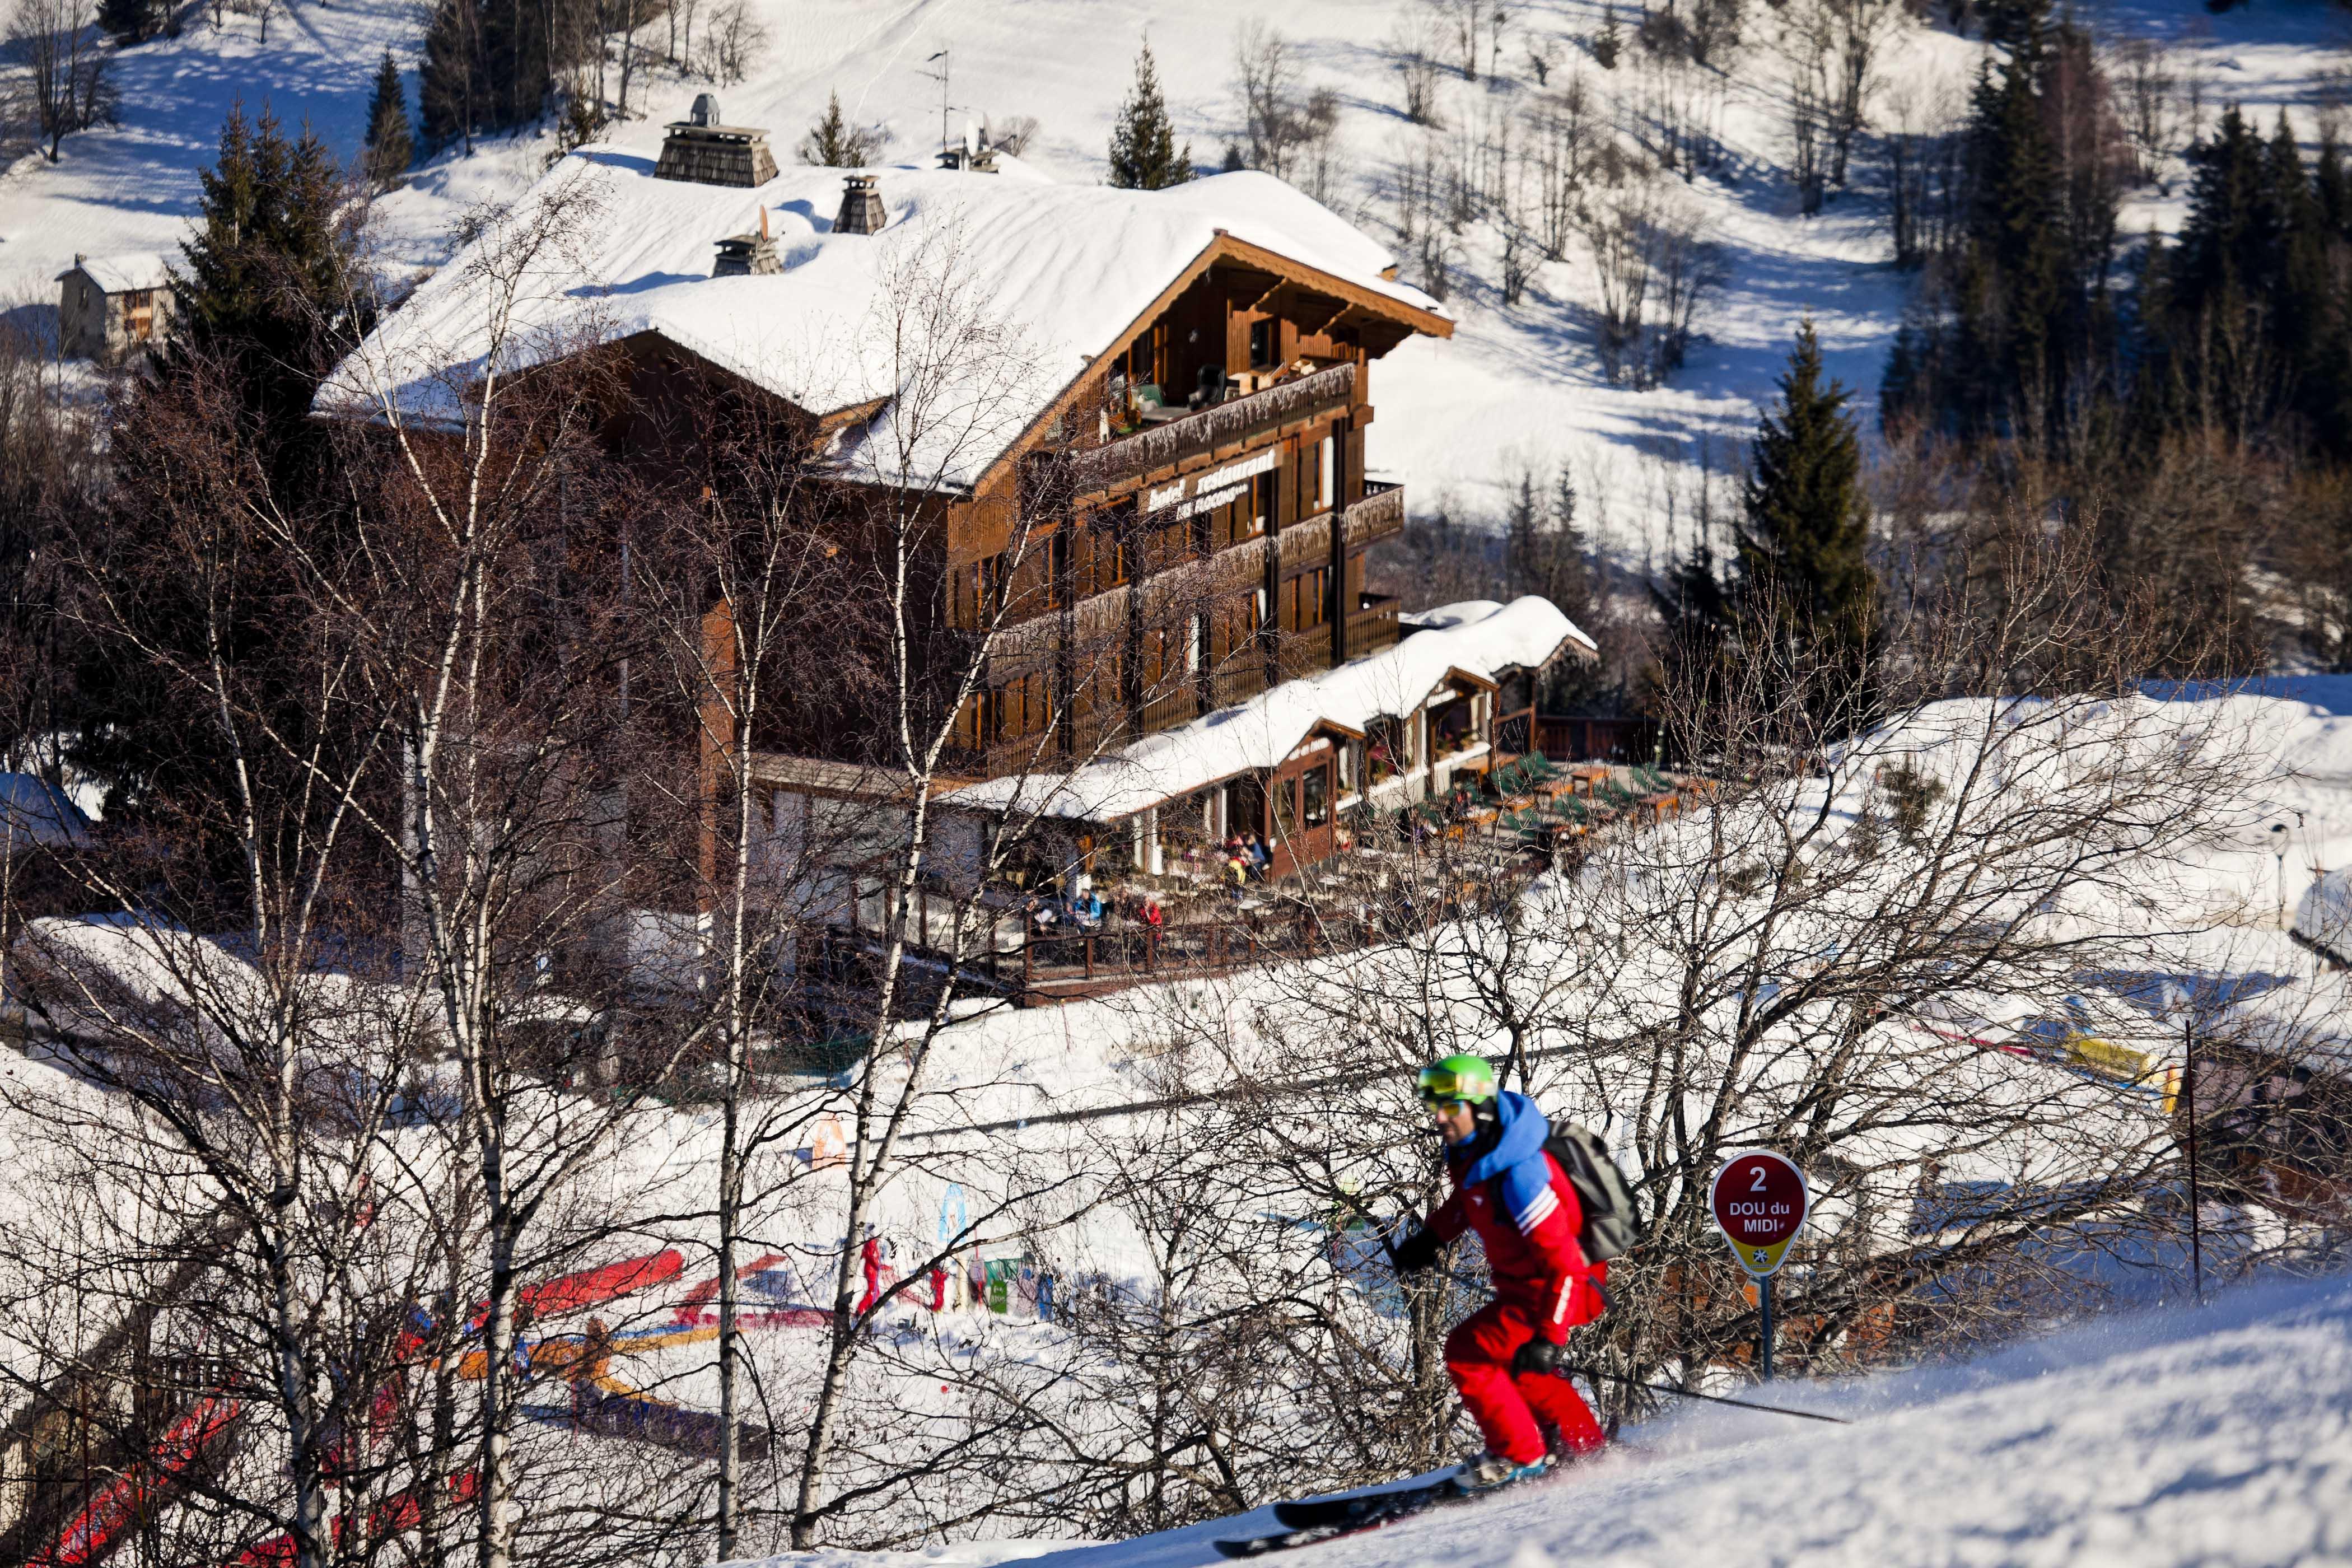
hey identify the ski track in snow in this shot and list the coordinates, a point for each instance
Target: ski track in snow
(2220, 1436)
(1515, 387)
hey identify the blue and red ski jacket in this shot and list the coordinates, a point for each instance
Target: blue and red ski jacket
(1524, 1208)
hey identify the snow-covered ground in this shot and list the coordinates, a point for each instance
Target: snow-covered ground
(2185, 1436)
(1518, 386)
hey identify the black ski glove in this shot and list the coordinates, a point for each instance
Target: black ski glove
(1417, 1251)
(1538, 1357)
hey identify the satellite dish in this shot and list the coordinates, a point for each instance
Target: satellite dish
(971, 137)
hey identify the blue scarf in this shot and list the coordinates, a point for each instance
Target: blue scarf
(1513, 1151)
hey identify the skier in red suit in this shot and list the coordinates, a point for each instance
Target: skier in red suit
(1503, 1358)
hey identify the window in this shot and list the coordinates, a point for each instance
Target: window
(987, 714)
(1161, 648)
(1245, 518)
(1327, 488)
(1110, 558)
(1315, 477)
(1265, 342)
(1388, 749)
(1196, 646)
(1112, 546)
(1142, 361)
(1303, 599)
(1057, 566)
(1018, 708)
(1452, 727)
(1315, 786)
(1174, 546)
(982, 581)
(1257, 610)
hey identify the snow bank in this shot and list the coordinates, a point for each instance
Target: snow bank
(2220, 1436)
(35, 810)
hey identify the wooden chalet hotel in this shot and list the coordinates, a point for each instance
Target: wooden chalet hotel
(1196, 653)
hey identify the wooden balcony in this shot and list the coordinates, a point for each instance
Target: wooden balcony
(1228, 424)
(1305, 652)
(1380, 514)
(1373, 624)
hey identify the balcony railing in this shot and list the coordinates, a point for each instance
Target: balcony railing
(1205, 430)
(1380, 514)
(1373, 625)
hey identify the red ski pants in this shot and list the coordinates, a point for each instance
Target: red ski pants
(1512, 1412)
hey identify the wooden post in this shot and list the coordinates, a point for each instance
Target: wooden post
(2188, 1105)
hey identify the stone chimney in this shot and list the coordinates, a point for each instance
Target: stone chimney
(861, 207)
(701, 149)
(748, 254)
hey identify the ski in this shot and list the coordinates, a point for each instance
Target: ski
(1335, 1510)
(1346, 1516)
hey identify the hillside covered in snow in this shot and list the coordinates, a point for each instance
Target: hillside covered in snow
(1522, 389)
(2221, 1434)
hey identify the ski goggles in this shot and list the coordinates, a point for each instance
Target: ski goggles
(1443, 1085)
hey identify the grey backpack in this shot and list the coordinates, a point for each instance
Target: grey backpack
(1600, 1191)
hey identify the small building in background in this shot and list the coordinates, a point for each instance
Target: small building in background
(109, 305)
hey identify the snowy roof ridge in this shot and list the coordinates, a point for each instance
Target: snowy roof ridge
(1477, 637)
(1056, 272)
(122, 272)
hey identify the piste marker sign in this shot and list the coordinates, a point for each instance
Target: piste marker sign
(1759, 1201)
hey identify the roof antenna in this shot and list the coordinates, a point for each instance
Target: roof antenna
(941, 76)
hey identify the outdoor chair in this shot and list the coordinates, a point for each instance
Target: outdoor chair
(1151, 406)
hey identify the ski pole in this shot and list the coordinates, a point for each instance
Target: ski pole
(1710, 1398)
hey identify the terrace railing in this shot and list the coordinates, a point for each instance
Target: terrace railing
(1205, 430)
(1380, 514)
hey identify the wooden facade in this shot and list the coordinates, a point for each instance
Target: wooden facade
(1143, 561)
(1197, 532)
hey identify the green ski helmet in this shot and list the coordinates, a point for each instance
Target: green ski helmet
(1468, 1079)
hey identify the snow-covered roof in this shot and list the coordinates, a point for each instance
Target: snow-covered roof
(1478, 637)
(1048, 276)
(119, 274)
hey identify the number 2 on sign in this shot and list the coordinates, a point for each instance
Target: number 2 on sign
(1757, 1184)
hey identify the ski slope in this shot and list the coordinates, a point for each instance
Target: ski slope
(2220, 1436)
(1518, 387)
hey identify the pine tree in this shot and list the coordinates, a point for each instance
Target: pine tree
(489, 67)
(2331, 188)
(834, 144)
(1803, 552)
(1522, 537)
(2019, 27)
(2021, 240)
(132, 21)
(2223, 240)
(448, 98)
(1573, 686)
(266, 286)
(1572, 585)
(1697, 611)
(1610, 42)
(389, 147)
(1143, 153)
